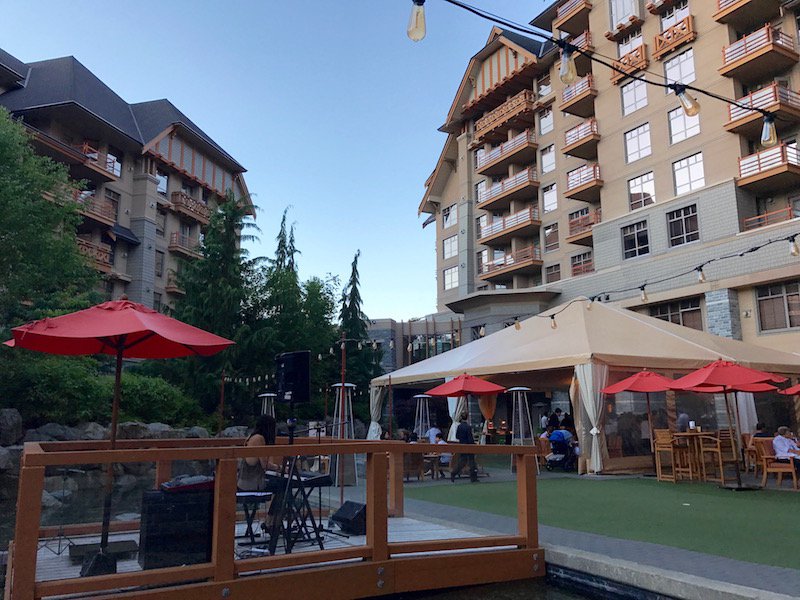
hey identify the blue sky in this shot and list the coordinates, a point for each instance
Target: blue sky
(327, 103)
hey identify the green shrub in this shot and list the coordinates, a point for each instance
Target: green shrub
(151, 399)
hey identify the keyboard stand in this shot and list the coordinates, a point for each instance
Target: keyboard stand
(294, 519)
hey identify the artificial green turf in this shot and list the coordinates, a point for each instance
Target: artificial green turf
(761, 526)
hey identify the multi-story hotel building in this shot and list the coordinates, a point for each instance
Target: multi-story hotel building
(152, 177)
(545, 191)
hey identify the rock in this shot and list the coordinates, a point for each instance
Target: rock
(10, 426)
(56, 483)
(132, 430)
(6, 462)
(50, 501)
(91, 431)
(33, 435)
(137, 469)
(237, 431)
(126, 483)
(58, 432)
(15, 453)
(62, 495)
(197, 432)
(159, 431)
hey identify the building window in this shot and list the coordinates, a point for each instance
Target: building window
(449, 216)
(546, 121)
(641, 191)
(113, 198)
(629, 43)
(552, 273)
(157, 302)
(187, 188)
(159, 263)
(114, 161)
(481, 223)
(161, 222)
(549, 197)
(682, 126)
(543, 86)
(682, 225)
(582, 263)
(548, 158)
(163, 179)
(450, 247)
(683, 312)
(680, 69)
(637, 143)
(674, 14)
(551, 237)
(635, 241)
(689, 174)
(779, 305)
(621, 10)
(634, 96)
(450, 277)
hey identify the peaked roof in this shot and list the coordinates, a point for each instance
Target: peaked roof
(586, 331)
(13, 66)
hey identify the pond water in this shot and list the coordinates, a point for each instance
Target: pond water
(533, 589)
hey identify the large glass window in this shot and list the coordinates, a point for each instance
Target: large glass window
(779, 305)
(637, 143)
(582, 263)
(674, 14)
(450, 278)
(551, 237)
(621, 10)
(629, 43)
(449, 216)
(682, 225)
(682, 126)
(552, 273)
(634, 96)
(113, 199)
(635, 240)
(161, 222)
(548, 159)
(546, 121)
(450, 247)
(641, 191)
(549, 197)
(163, 179)
(681, 68)
(683, 312)
(689, 174)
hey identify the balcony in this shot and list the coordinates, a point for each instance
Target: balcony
(528, 260)
(633, 61)
(581, 141)
(584, 183)
(184, 245)
(172, 286)
(770, 218)
(517, 80)
(758, 56)
(572, 16)
(770, 170)
(657, 7)
(101, 162)
(781, 101)
(624, 28)
(185, 205)
(582, 62)
(578, 99)
(580, 229)
(521, 149)
(582, 268)
(674, 37)
(743, 12)
(523, 223)
(516, 112)
(499, 195)
(98, 210)
(99, 254)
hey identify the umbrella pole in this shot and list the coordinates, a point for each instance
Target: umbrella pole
(650, 425)
(109, 486)
(391, 406)
(732, 425)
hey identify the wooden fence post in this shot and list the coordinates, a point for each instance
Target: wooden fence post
(222, 554)
(163, 471)
(396, 484)
(526, 499)
(377, 509)
(26, 532)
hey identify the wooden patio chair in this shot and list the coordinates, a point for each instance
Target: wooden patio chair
(663, 442)
(750, 460)
(770, 464)
(543, 449)
(413, 464)
(715, 446)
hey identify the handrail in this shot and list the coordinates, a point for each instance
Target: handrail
(584, 222)
(633, 61)
(184, 241)
(94, 155)
(763, 98)
(526, 137)
(568, 7)
(510, 105)
(99, 252)
(755, 41)
(582, 175)
(583, 268)
(768, 159)
(576, 89)
(528, 215)
(722, 4)
(195, 207)
(584, 130)
(89, 202)
(674, 36)
(509, 260)
(525, 176)
(583, 41)
(770, 218)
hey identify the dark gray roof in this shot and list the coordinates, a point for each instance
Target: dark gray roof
(125, 234)
(535, 47)
(13, 64)
(155, 116)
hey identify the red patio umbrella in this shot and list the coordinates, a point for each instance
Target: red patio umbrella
(123, 329)
(466, 384)
(791, 391)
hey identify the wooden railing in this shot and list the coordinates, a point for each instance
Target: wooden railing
(529, 215)
(770, 218)
(582, 175)
(100, 254)
(755, 41)
(185, 203)
(768, 159)
(635, 60)
(90, 203)
(583, 41)
(102, 160)
(583, 268)
(584, 130)
(377, 564)
(673, 37)
(567, 7)
(525, 176)
(512, 105)
(576, 89)
(762, 99)
(518, 141)
(584, 222)
(184, 242)
(520, 257)
(723, 4)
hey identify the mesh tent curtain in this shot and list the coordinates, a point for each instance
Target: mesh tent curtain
(592, 377)
(456, 408)
(488, 405)
(377, 395)
(746, 411)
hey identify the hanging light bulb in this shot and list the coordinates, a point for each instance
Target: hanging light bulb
(319, 357)
(794, 250)
(769, 135)
(391, 344)
(341, 346)
(409, 347)
(482, 331)
(553, 324)
(567, 72)
(360, 346)
(689, 103)
(374, 345)
(517, 324)
(644, 294)
(701, 277)
(416, 23)
(331, 351)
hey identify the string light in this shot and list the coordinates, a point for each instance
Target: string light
(553, 324)
(391, 344)
(331, 351)
(689, 103)
(409, 348)
(769, 135)
(319, 356)
(482, 331)
(517, 324)
(416, 23)
(644, 292)
(794, 250)
(701, 277)
(567, 71)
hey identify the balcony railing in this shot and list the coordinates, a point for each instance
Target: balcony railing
(187, 205)
(529, 215)
(172, 286)
(185, 243)
(582, 268)
(100, 254)
(582, 175)
(770, 218)
(757, 40)
(765, 160)
(673, 37)
(564, 9)
(584, 130)
(521, 256)
(525, 98)
(526, 176)
(526, 137)
(635, 60)
(583, 41)
(102, 160)
(89, 203)
(763, 98)
(576, 89)
(584, 222)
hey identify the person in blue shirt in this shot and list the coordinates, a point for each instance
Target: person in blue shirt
(464, 436)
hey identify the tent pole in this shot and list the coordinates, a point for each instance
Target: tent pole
(732, 425)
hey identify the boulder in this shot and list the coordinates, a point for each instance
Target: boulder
(159, 431)
(62, 495)
(197, 432)
(236, 431)
(56, 483)
(50, 501)
(137, 469)
(15, 453)
(33, 435)
(126, 483)
(6, 460)
(58, 432)
(10, 426)
(91, 431)
(132, 430)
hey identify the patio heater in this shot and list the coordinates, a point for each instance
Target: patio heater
(522, 432)
(343, 429)
(268, 403)
(422, 418)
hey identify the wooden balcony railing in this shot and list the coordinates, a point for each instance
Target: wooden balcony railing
(673, 37)
(567, 7)
(102, 160)
(584, 222)
(517, 103)
(635, 60)
(525, 176)
(172, 286)
(770, 158)
(583, 41)
(582, 268)
(763, 98)
(89, 203)
(185, 243)
(520, 257)
(755, 41)
(529, 215)
(582, 176)
(576, 89)
(526, 137)
(100, 254)
(770, 218)
(187, 205)
(584, 130)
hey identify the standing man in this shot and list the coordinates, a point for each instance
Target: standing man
(464, 436)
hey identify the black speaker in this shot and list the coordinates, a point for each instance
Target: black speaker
(294, 384)
(352, 518)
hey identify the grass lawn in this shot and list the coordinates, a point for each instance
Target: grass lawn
(761, 526)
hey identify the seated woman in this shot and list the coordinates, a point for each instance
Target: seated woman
(251, 469)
